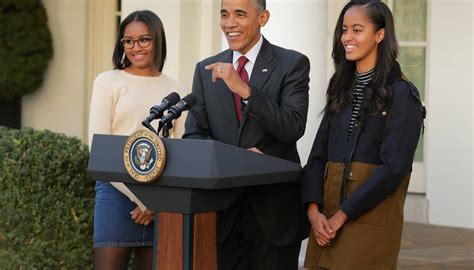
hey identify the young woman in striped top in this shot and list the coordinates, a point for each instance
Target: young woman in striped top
(356, 179)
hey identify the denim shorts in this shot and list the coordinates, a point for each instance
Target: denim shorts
(113, 225)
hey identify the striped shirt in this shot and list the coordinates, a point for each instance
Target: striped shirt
(361, 82)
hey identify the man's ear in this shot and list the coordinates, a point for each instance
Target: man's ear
(380, 35)
(263, 17)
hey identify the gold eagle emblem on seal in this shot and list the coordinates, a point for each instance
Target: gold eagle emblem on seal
(144, 156)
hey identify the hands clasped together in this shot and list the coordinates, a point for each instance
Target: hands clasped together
(142, 217)
(325, 229)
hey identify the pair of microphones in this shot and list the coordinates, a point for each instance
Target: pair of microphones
(174, 107)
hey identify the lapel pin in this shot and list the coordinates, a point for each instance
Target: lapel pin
(264, 70)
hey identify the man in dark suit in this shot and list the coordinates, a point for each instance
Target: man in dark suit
(260, 103)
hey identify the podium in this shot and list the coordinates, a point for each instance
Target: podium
(200, 178)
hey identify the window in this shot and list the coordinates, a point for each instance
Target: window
(410, 25)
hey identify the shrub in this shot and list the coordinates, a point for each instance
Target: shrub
(46, 201)
(25, 47)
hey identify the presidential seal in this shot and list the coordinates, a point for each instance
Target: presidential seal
(144, 156)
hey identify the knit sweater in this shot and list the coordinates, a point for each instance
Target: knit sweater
(121, 101)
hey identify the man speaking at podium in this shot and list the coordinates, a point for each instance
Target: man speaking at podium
(255, 96)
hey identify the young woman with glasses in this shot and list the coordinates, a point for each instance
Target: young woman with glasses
(121, 99)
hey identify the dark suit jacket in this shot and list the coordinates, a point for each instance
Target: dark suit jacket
(273, 120)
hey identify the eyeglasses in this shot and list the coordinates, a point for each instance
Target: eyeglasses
(129, 43)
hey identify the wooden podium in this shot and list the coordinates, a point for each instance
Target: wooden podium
(200, 178)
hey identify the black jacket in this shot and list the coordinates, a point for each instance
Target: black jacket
(388, 139)
(273, 120)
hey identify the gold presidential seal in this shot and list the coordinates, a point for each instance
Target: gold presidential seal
(144, 156)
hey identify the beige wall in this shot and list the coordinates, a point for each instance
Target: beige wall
(83, 38)
(59, 105)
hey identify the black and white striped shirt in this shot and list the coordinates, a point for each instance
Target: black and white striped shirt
(361, 82)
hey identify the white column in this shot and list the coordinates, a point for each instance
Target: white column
(301, 25)
(101, 32)
(449, 151)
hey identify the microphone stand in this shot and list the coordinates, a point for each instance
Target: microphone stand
(166, 129)
(161, 126)
(149, 126)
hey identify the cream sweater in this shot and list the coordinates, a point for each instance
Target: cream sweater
(121, 101)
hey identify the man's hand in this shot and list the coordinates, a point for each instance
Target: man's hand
(338, 220)
(255, 149)
(320, 225)
(142, 218)
(226, 72)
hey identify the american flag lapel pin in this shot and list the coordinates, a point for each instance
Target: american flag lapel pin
(265, 70)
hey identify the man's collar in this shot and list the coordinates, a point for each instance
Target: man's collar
(251, 54)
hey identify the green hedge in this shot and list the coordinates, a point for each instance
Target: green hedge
(46, 201)
(25, 47)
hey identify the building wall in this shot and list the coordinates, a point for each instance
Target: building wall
(59, 105)
(449, 146)
(472, 110)
(193, 33)
(101, 32)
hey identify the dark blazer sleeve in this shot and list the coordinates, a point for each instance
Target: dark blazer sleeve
(287, 120)
(197, 122)
(312, 174)
(402, 131)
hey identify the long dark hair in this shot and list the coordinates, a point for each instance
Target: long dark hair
(157, 36)
(376, 96)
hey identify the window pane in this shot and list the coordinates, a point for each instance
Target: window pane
(410, 19)
(419, 150)
(412, 61)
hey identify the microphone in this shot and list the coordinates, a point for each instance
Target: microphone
(157, 110)
(175, 111)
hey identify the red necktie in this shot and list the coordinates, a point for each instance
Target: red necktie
(244, 76)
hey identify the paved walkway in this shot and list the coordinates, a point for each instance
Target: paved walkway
(436, 248)
(429, 247)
